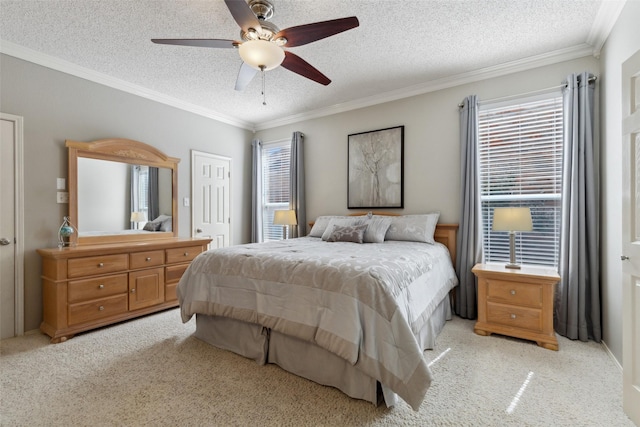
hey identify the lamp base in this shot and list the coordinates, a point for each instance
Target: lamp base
(513, 266)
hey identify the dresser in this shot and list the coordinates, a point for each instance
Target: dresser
(90, 286)
(516, 302)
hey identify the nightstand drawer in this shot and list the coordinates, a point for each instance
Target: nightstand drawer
(518, 317)
(527, 294)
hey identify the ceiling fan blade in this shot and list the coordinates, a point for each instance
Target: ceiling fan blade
(293, 62)
(303, 34)
(243, 15)
(218, 43)
(245, 75)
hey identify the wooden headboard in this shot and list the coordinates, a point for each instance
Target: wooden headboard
(445, 233)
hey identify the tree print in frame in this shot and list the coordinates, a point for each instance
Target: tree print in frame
(376, 169)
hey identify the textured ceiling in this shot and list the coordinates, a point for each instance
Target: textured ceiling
(399, 44)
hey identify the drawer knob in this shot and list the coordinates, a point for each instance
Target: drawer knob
(101, 264)
(101, 286)
(513, 316)
(101, 308)
(148, 259)
(513, 291)
(133, 291)
(186, 254)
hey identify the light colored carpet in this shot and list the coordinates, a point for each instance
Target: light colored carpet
(152, 371)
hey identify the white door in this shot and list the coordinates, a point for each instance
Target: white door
(11, 234)
(631, 237)
(211, 196)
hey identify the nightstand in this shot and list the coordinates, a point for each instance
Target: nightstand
(517, 303)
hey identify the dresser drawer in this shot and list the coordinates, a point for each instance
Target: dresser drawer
(146, 259)
(92, 266)
(174, 273)
(100, 287)
(515, 316)
(185, 254)
(97, 309)
(527, 294)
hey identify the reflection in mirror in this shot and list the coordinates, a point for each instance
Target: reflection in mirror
(109, 192)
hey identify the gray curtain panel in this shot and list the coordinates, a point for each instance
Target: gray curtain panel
(256, 191)
(469, 241)
(577, 300)
(296, 185)
(154, 194)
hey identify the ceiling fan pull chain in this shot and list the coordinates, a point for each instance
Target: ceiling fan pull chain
(264, 97)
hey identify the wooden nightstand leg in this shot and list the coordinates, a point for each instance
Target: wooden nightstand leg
(481, 332)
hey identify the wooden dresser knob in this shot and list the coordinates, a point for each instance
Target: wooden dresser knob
(101, 308)
(148, 259)
(186, 254)
(100, 265)
(513, 291)
(133, 291)
(513, 316)
(101, 286)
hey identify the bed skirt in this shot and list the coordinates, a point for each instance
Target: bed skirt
(306, 359)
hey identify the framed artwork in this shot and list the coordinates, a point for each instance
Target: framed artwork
(376, 169)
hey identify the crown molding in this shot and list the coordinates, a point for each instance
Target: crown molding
(21, 52)
(606, 18)
(549, 58)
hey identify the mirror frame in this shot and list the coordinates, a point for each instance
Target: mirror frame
(124, 151)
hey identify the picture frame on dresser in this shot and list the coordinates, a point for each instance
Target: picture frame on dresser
(376, 169)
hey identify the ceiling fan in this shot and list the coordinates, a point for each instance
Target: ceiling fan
(262, 45)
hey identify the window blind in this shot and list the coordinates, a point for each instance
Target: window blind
(275, 186)
(520, 165)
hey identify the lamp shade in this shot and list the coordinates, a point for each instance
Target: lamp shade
(261, 53)
(512, 219)
(285, 218)
(138, 216)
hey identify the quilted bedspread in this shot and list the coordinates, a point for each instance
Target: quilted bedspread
(362, 302)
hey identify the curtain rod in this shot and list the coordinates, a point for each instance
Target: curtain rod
(504, 98)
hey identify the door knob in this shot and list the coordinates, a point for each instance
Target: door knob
(198, 230)
(624, 257)
(5, 242)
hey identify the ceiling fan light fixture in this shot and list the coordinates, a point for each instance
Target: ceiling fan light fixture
(261, 54)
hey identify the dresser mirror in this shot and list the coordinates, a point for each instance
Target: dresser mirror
(121, 190)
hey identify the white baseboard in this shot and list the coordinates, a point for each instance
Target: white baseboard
(611, 355)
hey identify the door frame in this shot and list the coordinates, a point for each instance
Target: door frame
(195, 153)
(18, 171)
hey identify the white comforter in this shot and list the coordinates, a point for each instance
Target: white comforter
(363, 302)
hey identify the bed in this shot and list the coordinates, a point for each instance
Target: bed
(353, 316)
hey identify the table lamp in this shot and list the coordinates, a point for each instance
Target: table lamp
(285, 219)
(138, 217)
(512, 220)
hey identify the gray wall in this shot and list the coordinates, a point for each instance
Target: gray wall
(623, 42)
(57, 106)
(432, 148)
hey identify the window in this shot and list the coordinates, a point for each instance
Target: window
(276, 171)
(520, 165)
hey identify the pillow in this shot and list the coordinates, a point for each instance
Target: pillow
(413, 228)
(320, 225)
(152, 226)
(377, 227)
(165, 221)
(349, 233)
(342, 222)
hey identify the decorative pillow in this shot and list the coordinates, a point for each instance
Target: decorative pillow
(320, 225)
(377, 228)
(165, 221)
(342, 222)
(413, 228)
(152, 226)
(349, 233)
